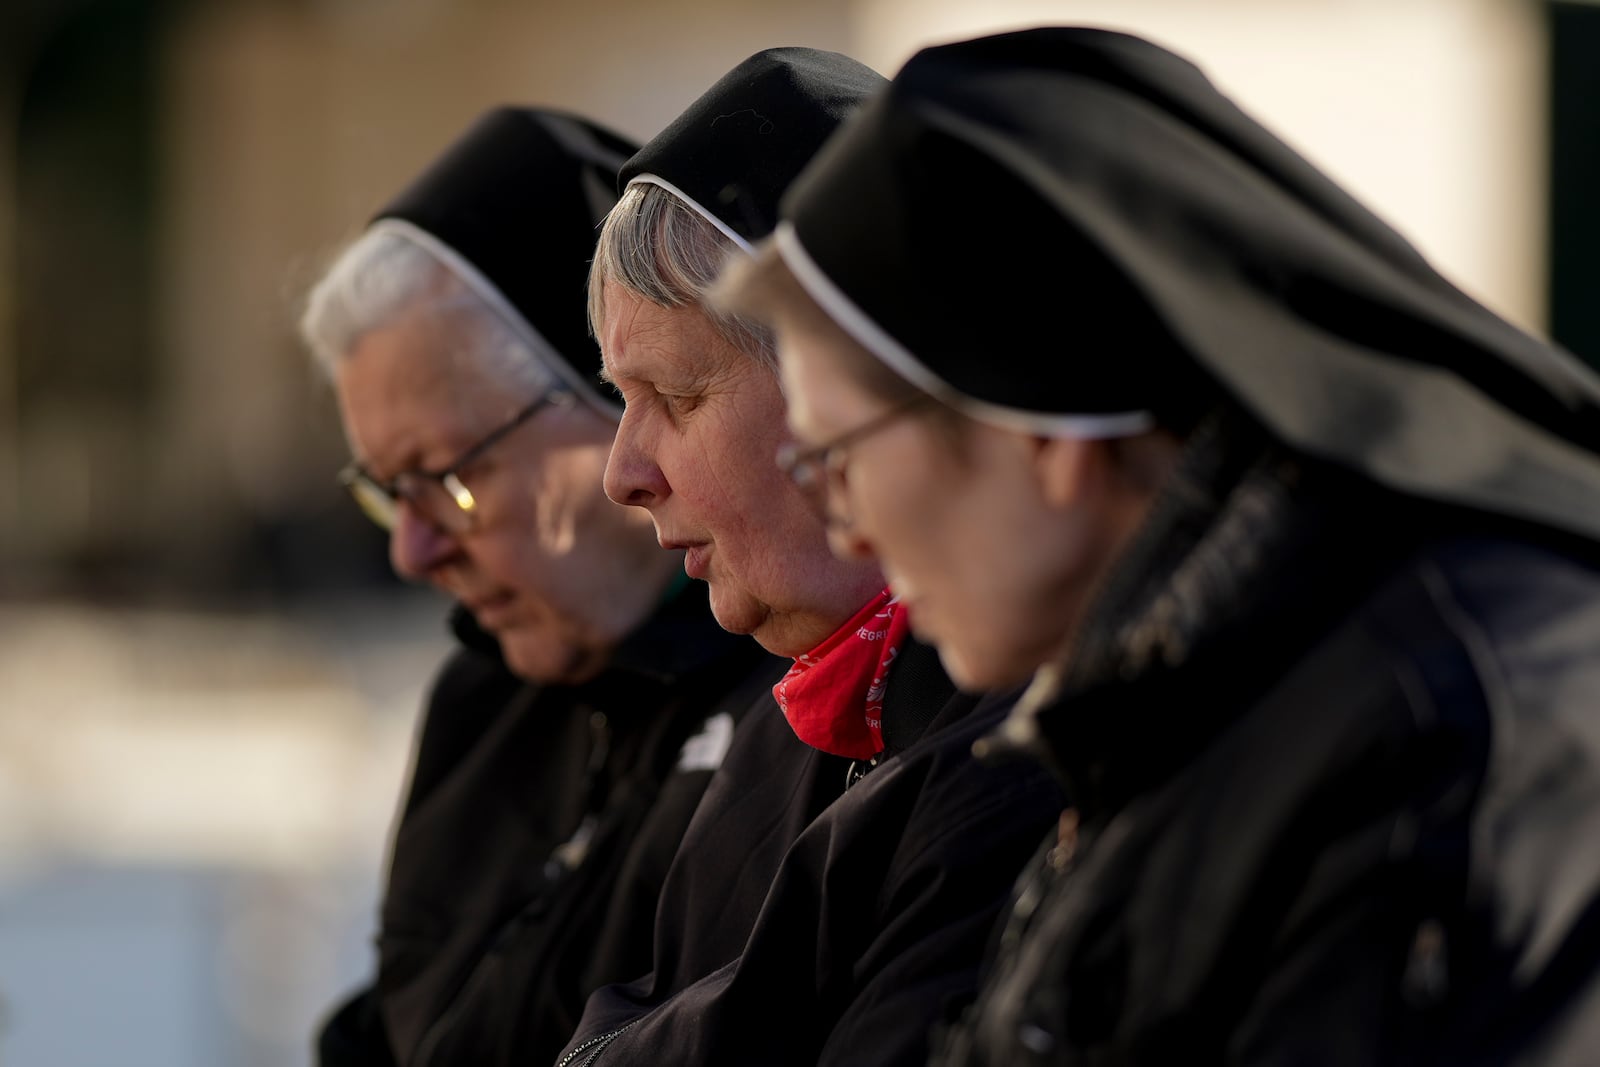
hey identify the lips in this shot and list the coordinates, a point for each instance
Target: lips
(697, 562)
(696, 556)
(492, 611)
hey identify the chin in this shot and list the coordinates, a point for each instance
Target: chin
(545, 659)
(961, 672)
(781, 638)
(736, 614)
(764, 634)
(975, 671)
(781, 645)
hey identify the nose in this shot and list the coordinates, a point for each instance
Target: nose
(418, 547)
(632, 474)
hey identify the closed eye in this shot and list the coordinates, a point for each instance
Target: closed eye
(625, 394)
(680, 403)
(635, 393)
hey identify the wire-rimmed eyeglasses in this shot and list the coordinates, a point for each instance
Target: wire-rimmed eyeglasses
(821, 468)
(440, 497)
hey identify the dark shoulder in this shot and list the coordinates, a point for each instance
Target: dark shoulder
(471, 692)
(470, 678)
(1534, 607)
(1525, 612)
(937, 792)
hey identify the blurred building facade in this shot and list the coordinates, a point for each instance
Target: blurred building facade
(172, 175)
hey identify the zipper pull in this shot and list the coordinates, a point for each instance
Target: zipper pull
(858, 770)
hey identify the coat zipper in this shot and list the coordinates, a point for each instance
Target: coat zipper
(564, 859)
(594, 1046)
(1048, 872)
(858, 770)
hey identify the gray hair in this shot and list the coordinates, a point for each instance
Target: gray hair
(660, 249)
(393, 272)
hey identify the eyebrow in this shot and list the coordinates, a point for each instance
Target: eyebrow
(409, 457)
(412, 463)
(675, 378)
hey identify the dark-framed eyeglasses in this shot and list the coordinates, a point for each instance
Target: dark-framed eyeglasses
(440, 497)
(820, 469)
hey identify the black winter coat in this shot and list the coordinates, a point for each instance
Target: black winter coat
(1336, 763)
(531, 849)
(799, 926)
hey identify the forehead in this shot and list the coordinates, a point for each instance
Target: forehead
(414, 366)
(645, 342)
(410, 395)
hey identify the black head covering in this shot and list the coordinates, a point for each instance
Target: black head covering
(517, 202)
(732, 153)
(1059, 223)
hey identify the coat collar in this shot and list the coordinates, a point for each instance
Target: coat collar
(1249, 553)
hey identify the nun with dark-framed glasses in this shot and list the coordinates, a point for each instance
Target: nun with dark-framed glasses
(1296, 543)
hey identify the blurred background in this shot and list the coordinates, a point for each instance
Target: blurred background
(208, 679)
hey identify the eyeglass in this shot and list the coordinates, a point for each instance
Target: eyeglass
(820, 468)
(439, 496)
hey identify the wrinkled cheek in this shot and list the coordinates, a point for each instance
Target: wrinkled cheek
(788, 580)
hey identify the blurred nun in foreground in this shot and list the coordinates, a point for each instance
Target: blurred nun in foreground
(1296, 540)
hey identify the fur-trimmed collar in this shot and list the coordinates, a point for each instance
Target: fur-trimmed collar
(1249, 552)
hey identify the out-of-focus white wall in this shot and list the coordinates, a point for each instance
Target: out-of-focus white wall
(1430, 111)
(194, 815)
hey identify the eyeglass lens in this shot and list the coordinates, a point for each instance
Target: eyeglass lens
(446, 504)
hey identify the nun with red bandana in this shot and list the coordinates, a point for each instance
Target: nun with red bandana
(833, 897)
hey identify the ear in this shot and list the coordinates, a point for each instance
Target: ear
(1067, 469)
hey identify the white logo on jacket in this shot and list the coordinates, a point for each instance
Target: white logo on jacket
(704, 751)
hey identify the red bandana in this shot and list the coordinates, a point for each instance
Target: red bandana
(833, 695)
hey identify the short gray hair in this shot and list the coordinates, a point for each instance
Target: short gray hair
(386, 276)
(658, 248)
